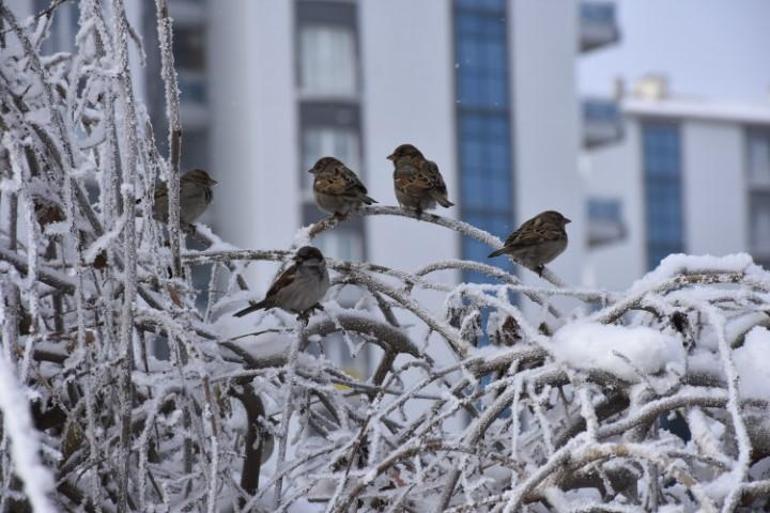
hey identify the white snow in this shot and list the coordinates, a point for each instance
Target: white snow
(595, 346)
(25, 446)
(679, 263)
(752, 361)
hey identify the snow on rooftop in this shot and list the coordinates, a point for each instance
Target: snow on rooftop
(699, 109)
(621, 351)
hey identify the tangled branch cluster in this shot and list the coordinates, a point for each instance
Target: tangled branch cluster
(474, 402)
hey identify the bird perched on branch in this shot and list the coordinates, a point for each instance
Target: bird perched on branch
(194, 197)
(538, 241)
(336, 188)
(417, 180)
(299, 288)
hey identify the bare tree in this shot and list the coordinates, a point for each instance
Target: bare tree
(474, 404)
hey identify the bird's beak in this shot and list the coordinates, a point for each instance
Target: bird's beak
(311, 170)
(212, 181)
(567, 221)
(390, 157)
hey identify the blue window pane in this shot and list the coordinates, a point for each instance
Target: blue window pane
(482, 4)
(481, 43)
(602, 209)
(483, 123)
(661, 147)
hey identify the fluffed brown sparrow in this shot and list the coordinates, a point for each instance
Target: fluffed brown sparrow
(336, 188)
(417, 180)
(537, 241)
(299, 288)
(195, 195)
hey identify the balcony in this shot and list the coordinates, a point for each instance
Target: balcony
(598, 25)
(602, 122)
(605, 222)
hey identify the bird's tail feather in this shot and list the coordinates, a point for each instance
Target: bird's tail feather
(252, 308)
(441, 199)
(496, 253)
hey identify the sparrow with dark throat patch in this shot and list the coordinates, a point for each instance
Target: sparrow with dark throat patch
(538, 241)
(299, 288)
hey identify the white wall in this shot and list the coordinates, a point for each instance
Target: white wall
(715, 209)
(546, 129)
(615, 172)
(407, 99)
(253, 122)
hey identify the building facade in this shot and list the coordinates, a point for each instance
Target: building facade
(691, 175)
(484, 87)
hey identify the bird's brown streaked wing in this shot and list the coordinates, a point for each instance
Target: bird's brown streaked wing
(354, 184)
(330, 184)
(340, 182)
(526, 227)
(430, 171)
(284, 280)
(512, 238)
(533, 237)
(411, 180)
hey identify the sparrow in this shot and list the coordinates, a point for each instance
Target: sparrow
(194, 197)
(336, 188)
(299, 288)
(538, 241)
(417, 180)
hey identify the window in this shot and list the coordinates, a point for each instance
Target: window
(341, 244)
(481, 58)
(189, 48)
(495, 5)
(195, 144)
(662, 190)
(597, 11)
(602, 209)
(329, 110)
(759, 222)
(758, 145)
(192, 86)
(605, 221)
(190, 61)
(483, 123)
(319, 142)
(327, 60)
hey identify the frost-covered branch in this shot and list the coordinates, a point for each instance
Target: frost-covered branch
(408, 391)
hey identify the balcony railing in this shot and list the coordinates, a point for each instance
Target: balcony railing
(602, 122)
(598, 25)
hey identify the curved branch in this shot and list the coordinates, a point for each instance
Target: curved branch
(388, 337)
(461, 227)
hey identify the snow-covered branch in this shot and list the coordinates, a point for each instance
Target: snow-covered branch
(406, 392)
